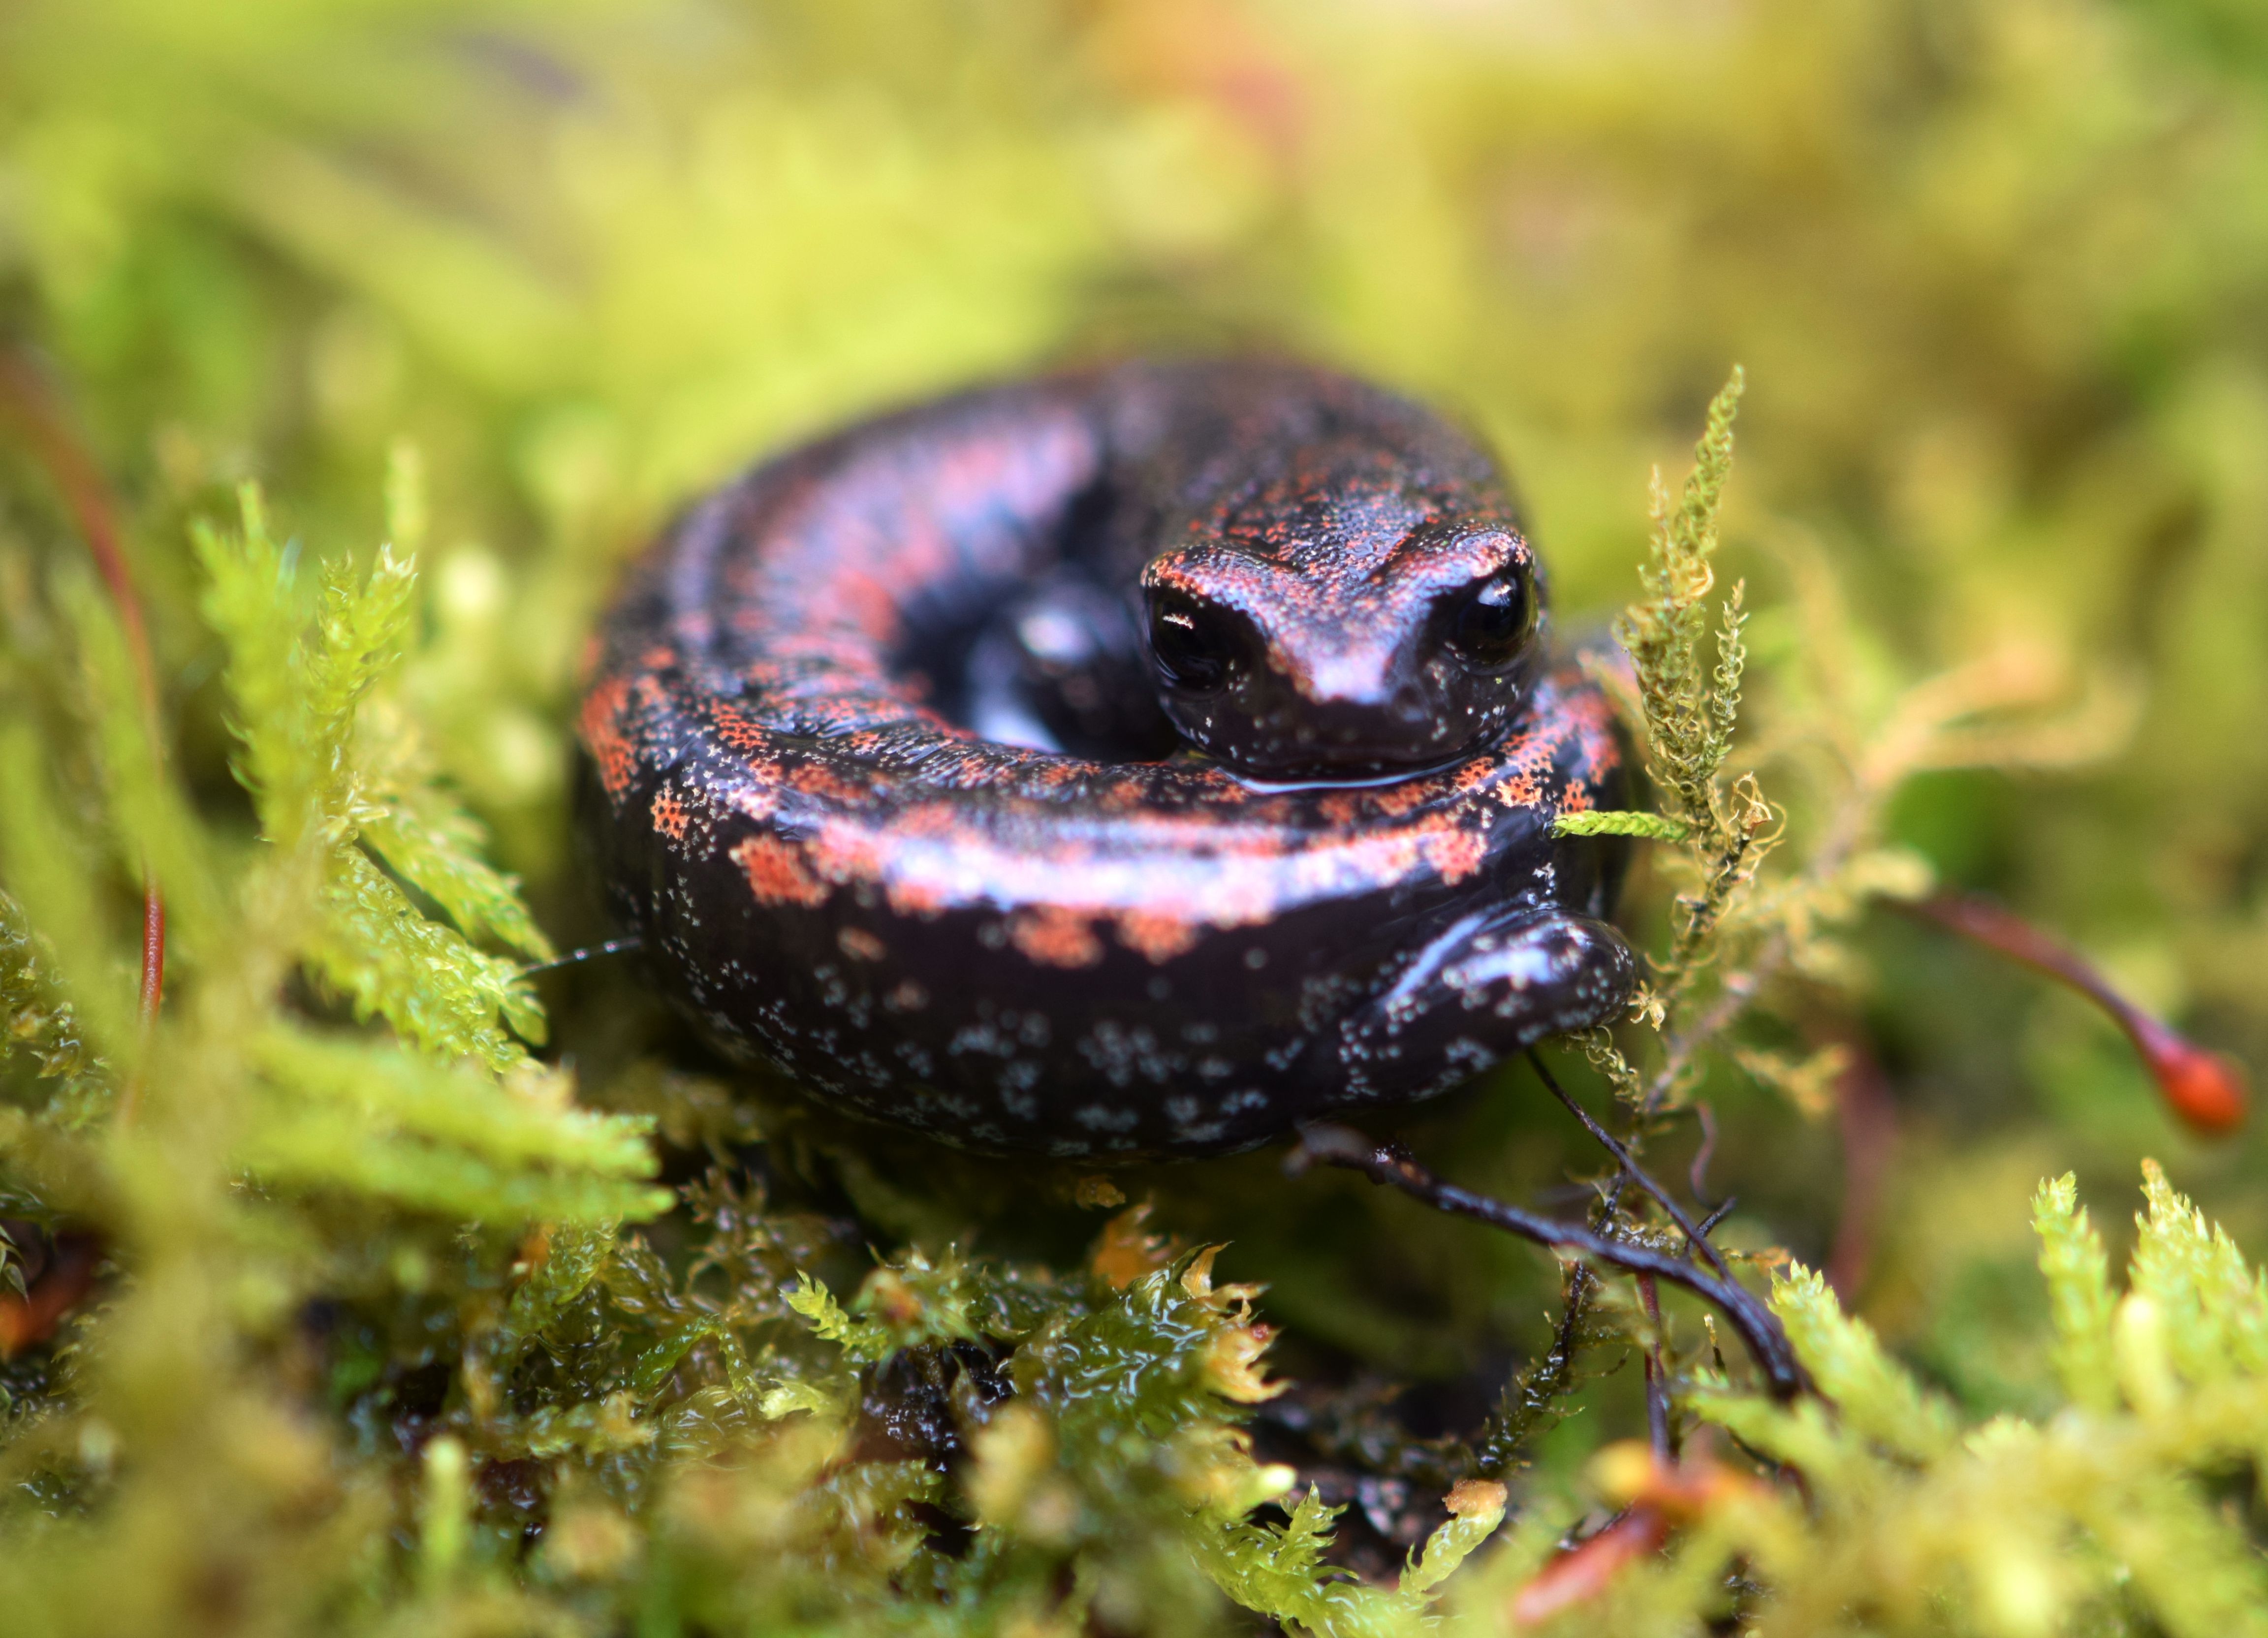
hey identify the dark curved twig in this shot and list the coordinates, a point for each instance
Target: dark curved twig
(1613, 1145)
(1767, 1342)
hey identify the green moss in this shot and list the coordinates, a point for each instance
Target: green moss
(436, 1295)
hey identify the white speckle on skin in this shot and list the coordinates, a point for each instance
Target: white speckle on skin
(1469, 1056)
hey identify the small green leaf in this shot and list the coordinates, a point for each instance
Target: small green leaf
(1476, 1510)
(863, 1339)
(1621, 822)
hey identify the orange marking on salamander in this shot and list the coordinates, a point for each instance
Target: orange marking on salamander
(1054, 937)
(776, 872)
(1520, 791)
(1158, 936)
(615, 759)
(813, 779)
(1397, 800)
(738, 732)
(1453, 852)
(919, 898)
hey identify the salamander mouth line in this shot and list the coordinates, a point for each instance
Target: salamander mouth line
(1361, 782)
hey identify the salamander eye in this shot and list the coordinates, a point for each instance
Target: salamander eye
(1194, 646)
(1491, 627)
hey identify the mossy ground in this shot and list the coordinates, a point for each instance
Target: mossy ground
(431, 1298)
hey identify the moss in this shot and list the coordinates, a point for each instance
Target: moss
(379, 1283)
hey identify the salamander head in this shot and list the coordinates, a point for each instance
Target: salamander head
(1341, 619)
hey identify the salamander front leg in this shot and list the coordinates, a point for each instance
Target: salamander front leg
(1488, 987)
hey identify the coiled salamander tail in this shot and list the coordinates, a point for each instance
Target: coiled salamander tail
(1130, 764)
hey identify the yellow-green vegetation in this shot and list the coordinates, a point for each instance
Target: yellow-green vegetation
(431, 1295)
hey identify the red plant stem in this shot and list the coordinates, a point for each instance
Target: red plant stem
(1698, 1174)
(2204, 1088)
(86, 494)
(1868, 1114)
(1657, 1386)
(1585, 1570)
(154, 946)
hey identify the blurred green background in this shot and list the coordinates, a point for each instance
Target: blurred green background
(1997, 270)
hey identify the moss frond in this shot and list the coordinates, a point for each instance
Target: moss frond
(34, 1019)
(1689, 708)
(327, 774)
(443, 1138)
(2095, 1516)
(862, 1341)
(2078, 1274)
(1874, 1397)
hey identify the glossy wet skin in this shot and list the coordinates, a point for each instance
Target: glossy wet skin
(1122, 765)
(1342, 612)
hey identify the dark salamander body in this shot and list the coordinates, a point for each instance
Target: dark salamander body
(1128, 764)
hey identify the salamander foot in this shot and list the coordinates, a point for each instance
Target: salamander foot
(1486, 989)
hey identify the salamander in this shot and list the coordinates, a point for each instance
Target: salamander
(1133, 763)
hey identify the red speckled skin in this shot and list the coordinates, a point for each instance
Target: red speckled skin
(1015, 949)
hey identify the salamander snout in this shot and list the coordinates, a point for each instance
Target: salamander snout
(1294, 670)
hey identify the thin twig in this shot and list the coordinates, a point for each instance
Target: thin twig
(1657, 1384)
(1614, 1146)
(1528, 1396)
(1680, 1046)
(1760, 1329)
(1698, 1174)
(589, 952)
